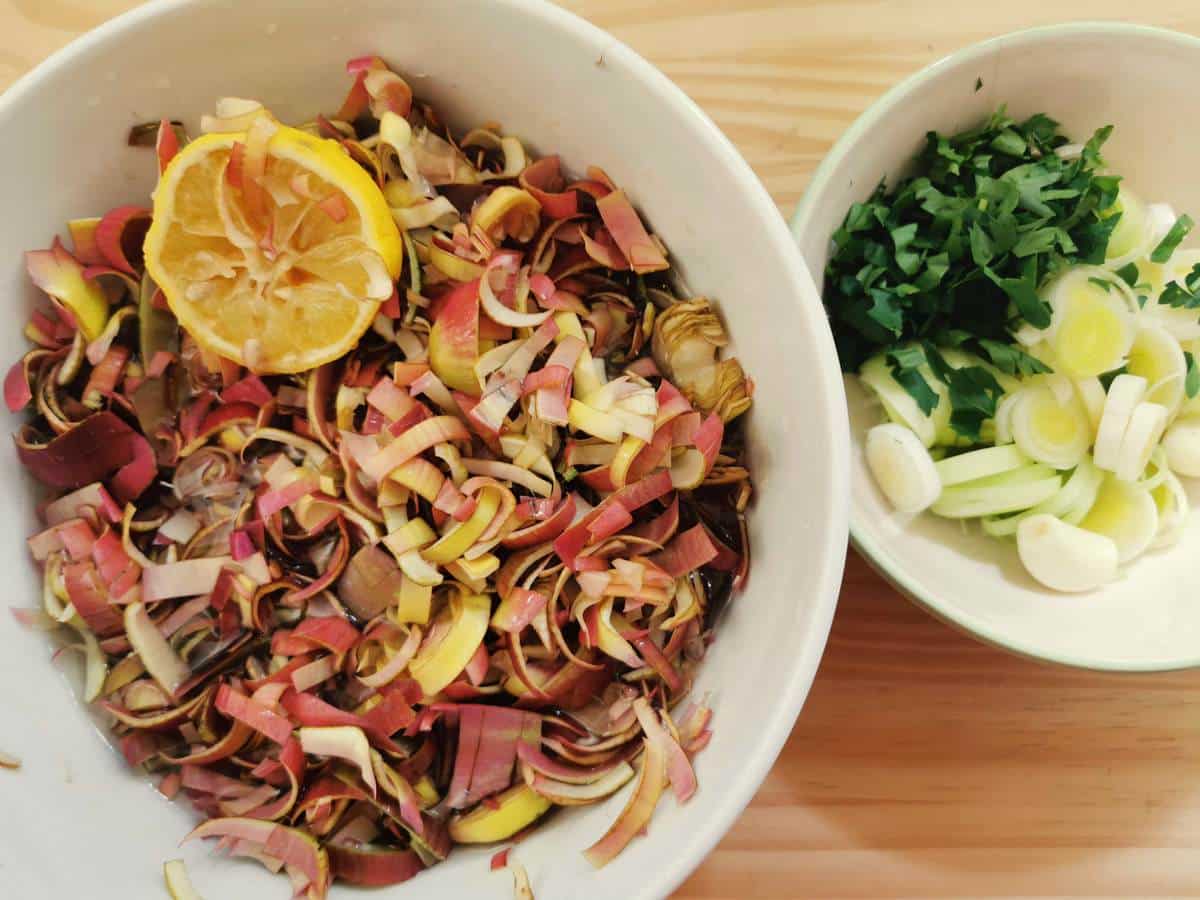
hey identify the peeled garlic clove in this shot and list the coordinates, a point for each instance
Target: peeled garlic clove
(1182, 443)
(1064, 557)
(902, 467)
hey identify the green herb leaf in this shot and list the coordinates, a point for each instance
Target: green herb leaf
(950, 254)
(1090, 158)
(906, 363)
(1011, 359)
(1183, 294)
(1191, 384)
(1023, 293)
(1008, 141)
(1173, 239)
(907, 261)
(1107, 378)
(1129, 274)
(973, 391)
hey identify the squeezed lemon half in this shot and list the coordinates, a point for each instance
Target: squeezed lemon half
(284, 280)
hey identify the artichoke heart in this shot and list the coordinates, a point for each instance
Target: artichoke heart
(687, 337)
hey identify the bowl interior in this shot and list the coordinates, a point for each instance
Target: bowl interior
(1085, 76)
(563, 86)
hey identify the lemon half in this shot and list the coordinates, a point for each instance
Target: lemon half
(288, 282)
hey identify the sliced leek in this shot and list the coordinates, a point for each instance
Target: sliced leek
(975, 499)
(1173, 508)
(1051, 426)
(1070, 504)
(898, 403)
(1145, 430)
(1003, 419)
(1126, 513)
(1156, 470)
(1093, 323)
(976, 464)
(1134, 233)
(1183, 324)
(1091, 395)
(1124, 394)
(1158, 357)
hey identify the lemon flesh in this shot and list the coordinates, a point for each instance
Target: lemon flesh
(291, 285)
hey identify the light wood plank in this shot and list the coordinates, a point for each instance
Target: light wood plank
(924, 765)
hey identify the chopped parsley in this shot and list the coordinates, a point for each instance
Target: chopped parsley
(1129, 273)
(1191, 384)
(1172, 239)
(958, 251)
(1183, 293)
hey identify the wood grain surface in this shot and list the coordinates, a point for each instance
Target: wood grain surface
(924, 764)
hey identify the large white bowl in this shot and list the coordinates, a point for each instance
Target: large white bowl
(77, 823)
(1142, 80)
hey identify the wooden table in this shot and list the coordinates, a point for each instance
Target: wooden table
(924, 765)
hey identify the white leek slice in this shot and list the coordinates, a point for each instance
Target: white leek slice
(1190, 407)
(1091, 395)
(944, 433)
(1051, 426)
(1093, 323)
(1173, 508)
(1126, 513)
(1025, 475)
(1138, 232)
(902, 467)
(1028, 335)
(976, 464)
(958, 359)
(989, 498)
(1134, 233)
(1182, 443)
(1157, 356)
(898, 403)
(1160, 218)
(1003, 419)
(1078, 495)
(1156, 470)
(1124, 394)
(1070, 504)
(1182, 323)
(1145, 430)
(1064, 557)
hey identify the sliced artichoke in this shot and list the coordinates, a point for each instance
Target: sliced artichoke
(687, 337)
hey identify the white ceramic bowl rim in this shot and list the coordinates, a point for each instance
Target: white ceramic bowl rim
(825, 392)
(893, 569)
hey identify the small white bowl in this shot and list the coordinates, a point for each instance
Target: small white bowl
(79, 823)
(1141, 80)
